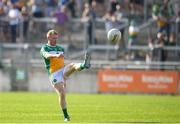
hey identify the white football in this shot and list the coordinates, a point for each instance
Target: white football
(114, 35)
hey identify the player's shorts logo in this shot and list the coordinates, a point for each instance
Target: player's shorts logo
(54, 80)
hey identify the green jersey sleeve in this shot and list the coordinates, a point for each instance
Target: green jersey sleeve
(43, 51)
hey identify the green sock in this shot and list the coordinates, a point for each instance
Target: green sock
(65, 112)
(82, 66)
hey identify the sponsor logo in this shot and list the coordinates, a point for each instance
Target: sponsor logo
(157, 79)
(118, 78)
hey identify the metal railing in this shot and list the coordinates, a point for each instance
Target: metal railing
(26, 58)
(106, 64)
(8, 50)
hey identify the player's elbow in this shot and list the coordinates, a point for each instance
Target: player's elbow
(47, 56)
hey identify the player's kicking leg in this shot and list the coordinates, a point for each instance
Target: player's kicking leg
(87, 60)
(71, 68)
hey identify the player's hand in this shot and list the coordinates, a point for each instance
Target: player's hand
(60, 55)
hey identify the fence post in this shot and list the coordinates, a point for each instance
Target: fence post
(86, 35)
(1, 51)
(145, 10)
(92, 32)
(21, 31)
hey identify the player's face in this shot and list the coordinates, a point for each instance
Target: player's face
(52, 39)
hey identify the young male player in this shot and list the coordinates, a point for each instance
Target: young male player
(58, 72)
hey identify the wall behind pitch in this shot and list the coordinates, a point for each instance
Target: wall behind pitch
(38, 81)
(83, 82)
(5, 82)
(79, 82)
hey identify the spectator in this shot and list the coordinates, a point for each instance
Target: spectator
(110, 20)
(132, 38)
(26, 18)
(79, 8)
(4, 24)
(62, 22)
(136, 7)
(133, 33)
(51, 6)
(36, 7)
(178, 23)
(2, 11)
(148, 57)
(169, 13)
(89, 16)
(14, 19)
(62, 19)
(163, 15)
(3, 8)
(72, 8)
(113, 4)
(62, 3)
(158, 52)
(20, 4)
(37, 10)
(172, 40)
(14, 1)
(119, 14)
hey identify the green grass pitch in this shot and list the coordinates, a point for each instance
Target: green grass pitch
(28, 107)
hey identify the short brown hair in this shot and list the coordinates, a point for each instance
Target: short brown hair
(50, 32)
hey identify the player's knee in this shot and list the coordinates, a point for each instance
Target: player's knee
(71, 65)
(59, 88)
(61, 91)
(63, 95)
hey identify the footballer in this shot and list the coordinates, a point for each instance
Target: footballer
(53, 56)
